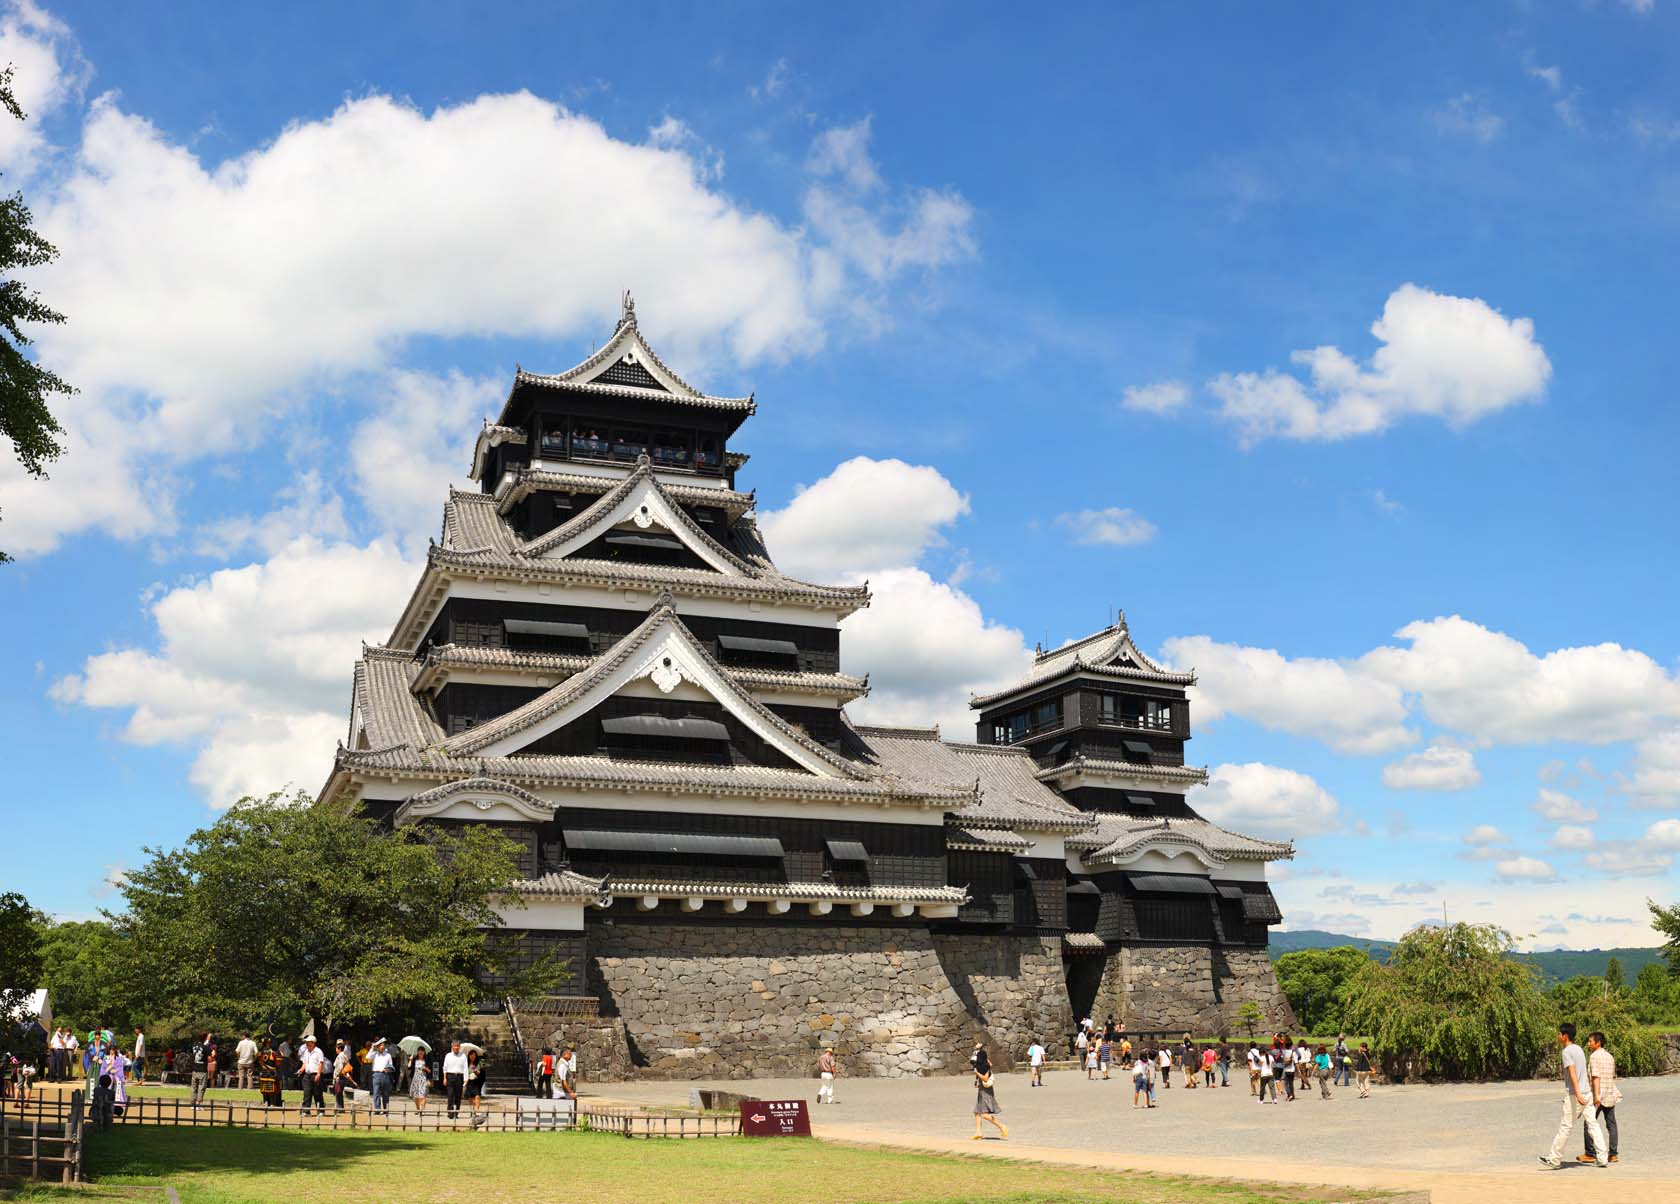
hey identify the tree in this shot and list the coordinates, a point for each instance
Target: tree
(20, 956)
(1250, 1015)
(1613, 973)
(1655, 998)
(1452, 1003)
(1637, 1049)
(1666, 920)
(289, 910)
(1574, 993)
(24, 384)
(1316, 980)
(77, 960)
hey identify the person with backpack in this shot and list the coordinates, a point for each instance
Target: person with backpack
(545, 1072)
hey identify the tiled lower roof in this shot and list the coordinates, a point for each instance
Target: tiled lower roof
(796, 891)
(526, 481)
(1123, 834)
(1179, 775)
(1084, 941)
(985, 840)
(561, 884)
(606, 773)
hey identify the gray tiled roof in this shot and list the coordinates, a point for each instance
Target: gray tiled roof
(1118, 835)
(391, 714)
(492, 436)
(1110, 653)
(984, 840)
(553, 664)
(476, 538)
(524, 481)
(1169, 775)
(1083, 940)
(796, 891)
(562, 884)
(1010, 794)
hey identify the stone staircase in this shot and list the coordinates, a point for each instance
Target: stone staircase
(506, 1072)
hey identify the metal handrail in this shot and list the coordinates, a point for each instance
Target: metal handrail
(519, 1040)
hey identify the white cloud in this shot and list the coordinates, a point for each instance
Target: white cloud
(1323, 699)
(1573, 836)
(1664, 834)
(1641, 7)
(1485, 834)
(252, 664)
(1530, 869)
(1630, 863)
(417, 443)
(209, 300)
(1415, 888)
(775, 82)
(1468, 116)
(1560, 808)
(1552, 76)
(1438, 767)
(926, 647)
(843, 151)
(925, 643)
(1454, 358)
(1110, 525)
(1266, 800)
(1568, 110)
(1385, 503)
(1655, 781)
(1492, 688)
(1162, 397)
(864, 516)
(46, 70)
(307, 507)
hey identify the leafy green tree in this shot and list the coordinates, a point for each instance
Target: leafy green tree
(1613, 973)
(1637, 1049)
(1666, 920)
(1452, 1003)
(289, 910)
(79, 961)
(1573, 994)
(1316, 981)
(20, 955)
(1250, 1015)
(24, 384)
(1655, 998)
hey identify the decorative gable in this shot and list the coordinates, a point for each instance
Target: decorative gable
(629, 371)
(640, 504)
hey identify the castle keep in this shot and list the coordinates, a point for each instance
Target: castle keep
(602, 658)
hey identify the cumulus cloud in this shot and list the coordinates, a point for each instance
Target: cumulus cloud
(1559, 807)
(865, 515)
(1573, 836)
(1415, 888)
(1453, 358)
(1162, 397)
(1485, 834)
(1110, 525)
(1664, 834)
(1438, 767)
(46, 70)
(1323, 699)
(1627, 862)
(252, 664)
(1529, 869)
(1655, 781)
(1468, 116)
(1266, 800)
(380, 223)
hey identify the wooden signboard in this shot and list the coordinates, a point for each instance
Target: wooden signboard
(775, 1118)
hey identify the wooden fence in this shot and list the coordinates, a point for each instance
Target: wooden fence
(51, 1114)
(41, 1143)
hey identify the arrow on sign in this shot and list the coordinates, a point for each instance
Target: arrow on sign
(758, 1117)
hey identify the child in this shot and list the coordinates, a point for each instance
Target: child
(1090, 1063)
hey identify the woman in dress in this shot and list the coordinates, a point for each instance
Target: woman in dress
(985, 1098)
(419, 1081)
(473, 1091)
(116, 1065)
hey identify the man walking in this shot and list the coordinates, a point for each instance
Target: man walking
(826, 1067)
(383, 1067)
(55, 1056)
(1362, 1070)
(1035, 1060)
(1340, 1058)
(454, 1076)
(1254, 1069)
(139, 1054)
(565, 1074)
(313, 1071)
(200, 1068)
(1576, 1101)
(1268, 1078)
(245, 1059)
(1601, 1069)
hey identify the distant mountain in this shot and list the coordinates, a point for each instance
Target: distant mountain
(1554, 965)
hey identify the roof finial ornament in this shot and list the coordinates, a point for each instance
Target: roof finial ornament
(1120, 618)
(627, 305)
(665, 600)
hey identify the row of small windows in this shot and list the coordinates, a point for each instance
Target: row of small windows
(1044, 717)
(666, 447)
(1150, 714)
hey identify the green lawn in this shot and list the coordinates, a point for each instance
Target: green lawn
(245, 1166)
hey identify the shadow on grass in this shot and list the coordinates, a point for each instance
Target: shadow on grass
(148, 1151)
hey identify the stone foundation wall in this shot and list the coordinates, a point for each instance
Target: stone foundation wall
(602, 1045)
(1191, 988)
(754, 1000)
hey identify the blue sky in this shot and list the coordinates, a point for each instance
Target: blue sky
(1021, 303)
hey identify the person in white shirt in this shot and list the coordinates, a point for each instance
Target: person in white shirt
(55, 1056)
(383, 1067)
(565, 1074)
(1577, 1101)
(1601, 1069)
(1268, 1081)
(312, 1070)
(454, 1076)
(1035, 1060)
(1164, 1060)
(1254, 1070)
(139, 1054)
(245, 1059)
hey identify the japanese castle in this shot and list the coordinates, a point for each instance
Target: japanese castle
(602, 659)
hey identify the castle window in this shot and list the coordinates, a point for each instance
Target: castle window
(587, 441)
(553, 440)
(1137, 752)
(628, 442)
(671, 449)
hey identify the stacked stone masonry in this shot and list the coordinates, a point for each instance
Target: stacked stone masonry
(743, 1001)
(1191, 988)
